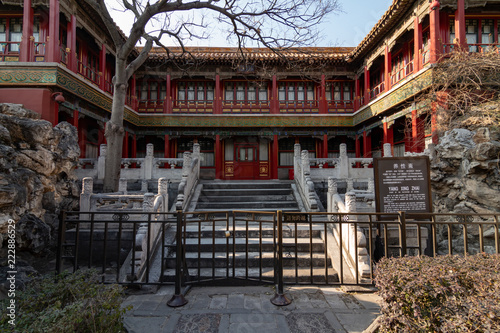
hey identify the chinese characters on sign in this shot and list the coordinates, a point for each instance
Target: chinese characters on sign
(402, 184)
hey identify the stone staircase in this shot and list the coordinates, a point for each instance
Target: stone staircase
(247, 254)
(247, 195)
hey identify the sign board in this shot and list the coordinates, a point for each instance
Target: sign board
(290, 218)
(402, 184)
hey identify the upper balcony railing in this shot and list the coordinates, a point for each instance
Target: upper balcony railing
(200, 106)
(244, 106)
(89, 72)
(299, 106)
(9, 51)
(150, 106)
(377, 90)
(473, 48)
(341, 106)
(401, 73)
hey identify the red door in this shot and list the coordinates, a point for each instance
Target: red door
(246, 160)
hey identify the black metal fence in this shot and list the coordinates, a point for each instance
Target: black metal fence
(245, 247)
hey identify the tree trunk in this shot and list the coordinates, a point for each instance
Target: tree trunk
(114, 129)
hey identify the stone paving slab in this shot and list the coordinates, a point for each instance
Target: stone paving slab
(248, 309)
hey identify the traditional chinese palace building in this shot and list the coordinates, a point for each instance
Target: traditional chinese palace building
(57, 59)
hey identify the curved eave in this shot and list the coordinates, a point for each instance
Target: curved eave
(397, 10)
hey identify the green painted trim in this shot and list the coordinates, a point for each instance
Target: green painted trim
(10, 75)
(167, 120)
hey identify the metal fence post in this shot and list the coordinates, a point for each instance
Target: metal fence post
(60, 240)
(402, 226)
(279, 298)
(178, 298)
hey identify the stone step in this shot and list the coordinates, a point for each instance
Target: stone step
(246, 185)
(253, 232)
(254, 259)
(221, 211)
(245, 192)
(246, 205)
(251, 244)
(245, 198)
(290, 275)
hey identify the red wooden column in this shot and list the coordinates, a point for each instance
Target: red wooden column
(218, 96)
(166, 153)
(387, 68)
(358, 146)
(52, 49)
(134, 146)
(26, 45)
(460, 24)
(367, 144)
(435, 35)
(357, 90)
(325, 145)
(322, 102)
(71, 40)
(218, 157)
(167, 104)
(367, 85)
(417, 44)
(274, 96)
(102, 68)
(414, 132)
(125, 145)
(274, 158)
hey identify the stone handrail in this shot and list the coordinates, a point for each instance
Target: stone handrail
(144, 168)
(321, 162)
(303, 179)
(190, 177)
(354, 244)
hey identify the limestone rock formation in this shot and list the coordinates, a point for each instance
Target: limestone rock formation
(37, 179)
(465, 175)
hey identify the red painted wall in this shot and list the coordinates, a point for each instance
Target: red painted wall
(35, 99)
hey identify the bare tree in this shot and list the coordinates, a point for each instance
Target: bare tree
(465, 90)
(274, 24)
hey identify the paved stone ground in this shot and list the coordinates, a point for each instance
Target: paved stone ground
(248, 309)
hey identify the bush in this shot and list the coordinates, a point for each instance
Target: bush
(442, 294)
(75, 303)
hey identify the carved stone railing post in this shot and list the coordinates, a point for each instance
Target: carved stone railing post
(306, 167)
(197, 155)
(343, 165)
(122, 185)
(101, 162)
(387, 150)
(296, 161)
(87, 189)
(163, 193)
(148, 161)
(350, 184)
(186, 164)
(332, 190)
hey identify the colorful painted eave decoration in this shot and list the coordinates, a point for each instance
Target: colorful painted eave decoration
(10, 75)
(55, 76)
(238, 120)
(409, 89)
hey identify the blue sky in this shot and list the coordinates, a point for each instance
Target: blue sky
(340, 29)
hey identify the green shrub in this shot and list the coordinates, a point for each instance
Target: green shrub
(442, 294)
(75, 303)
